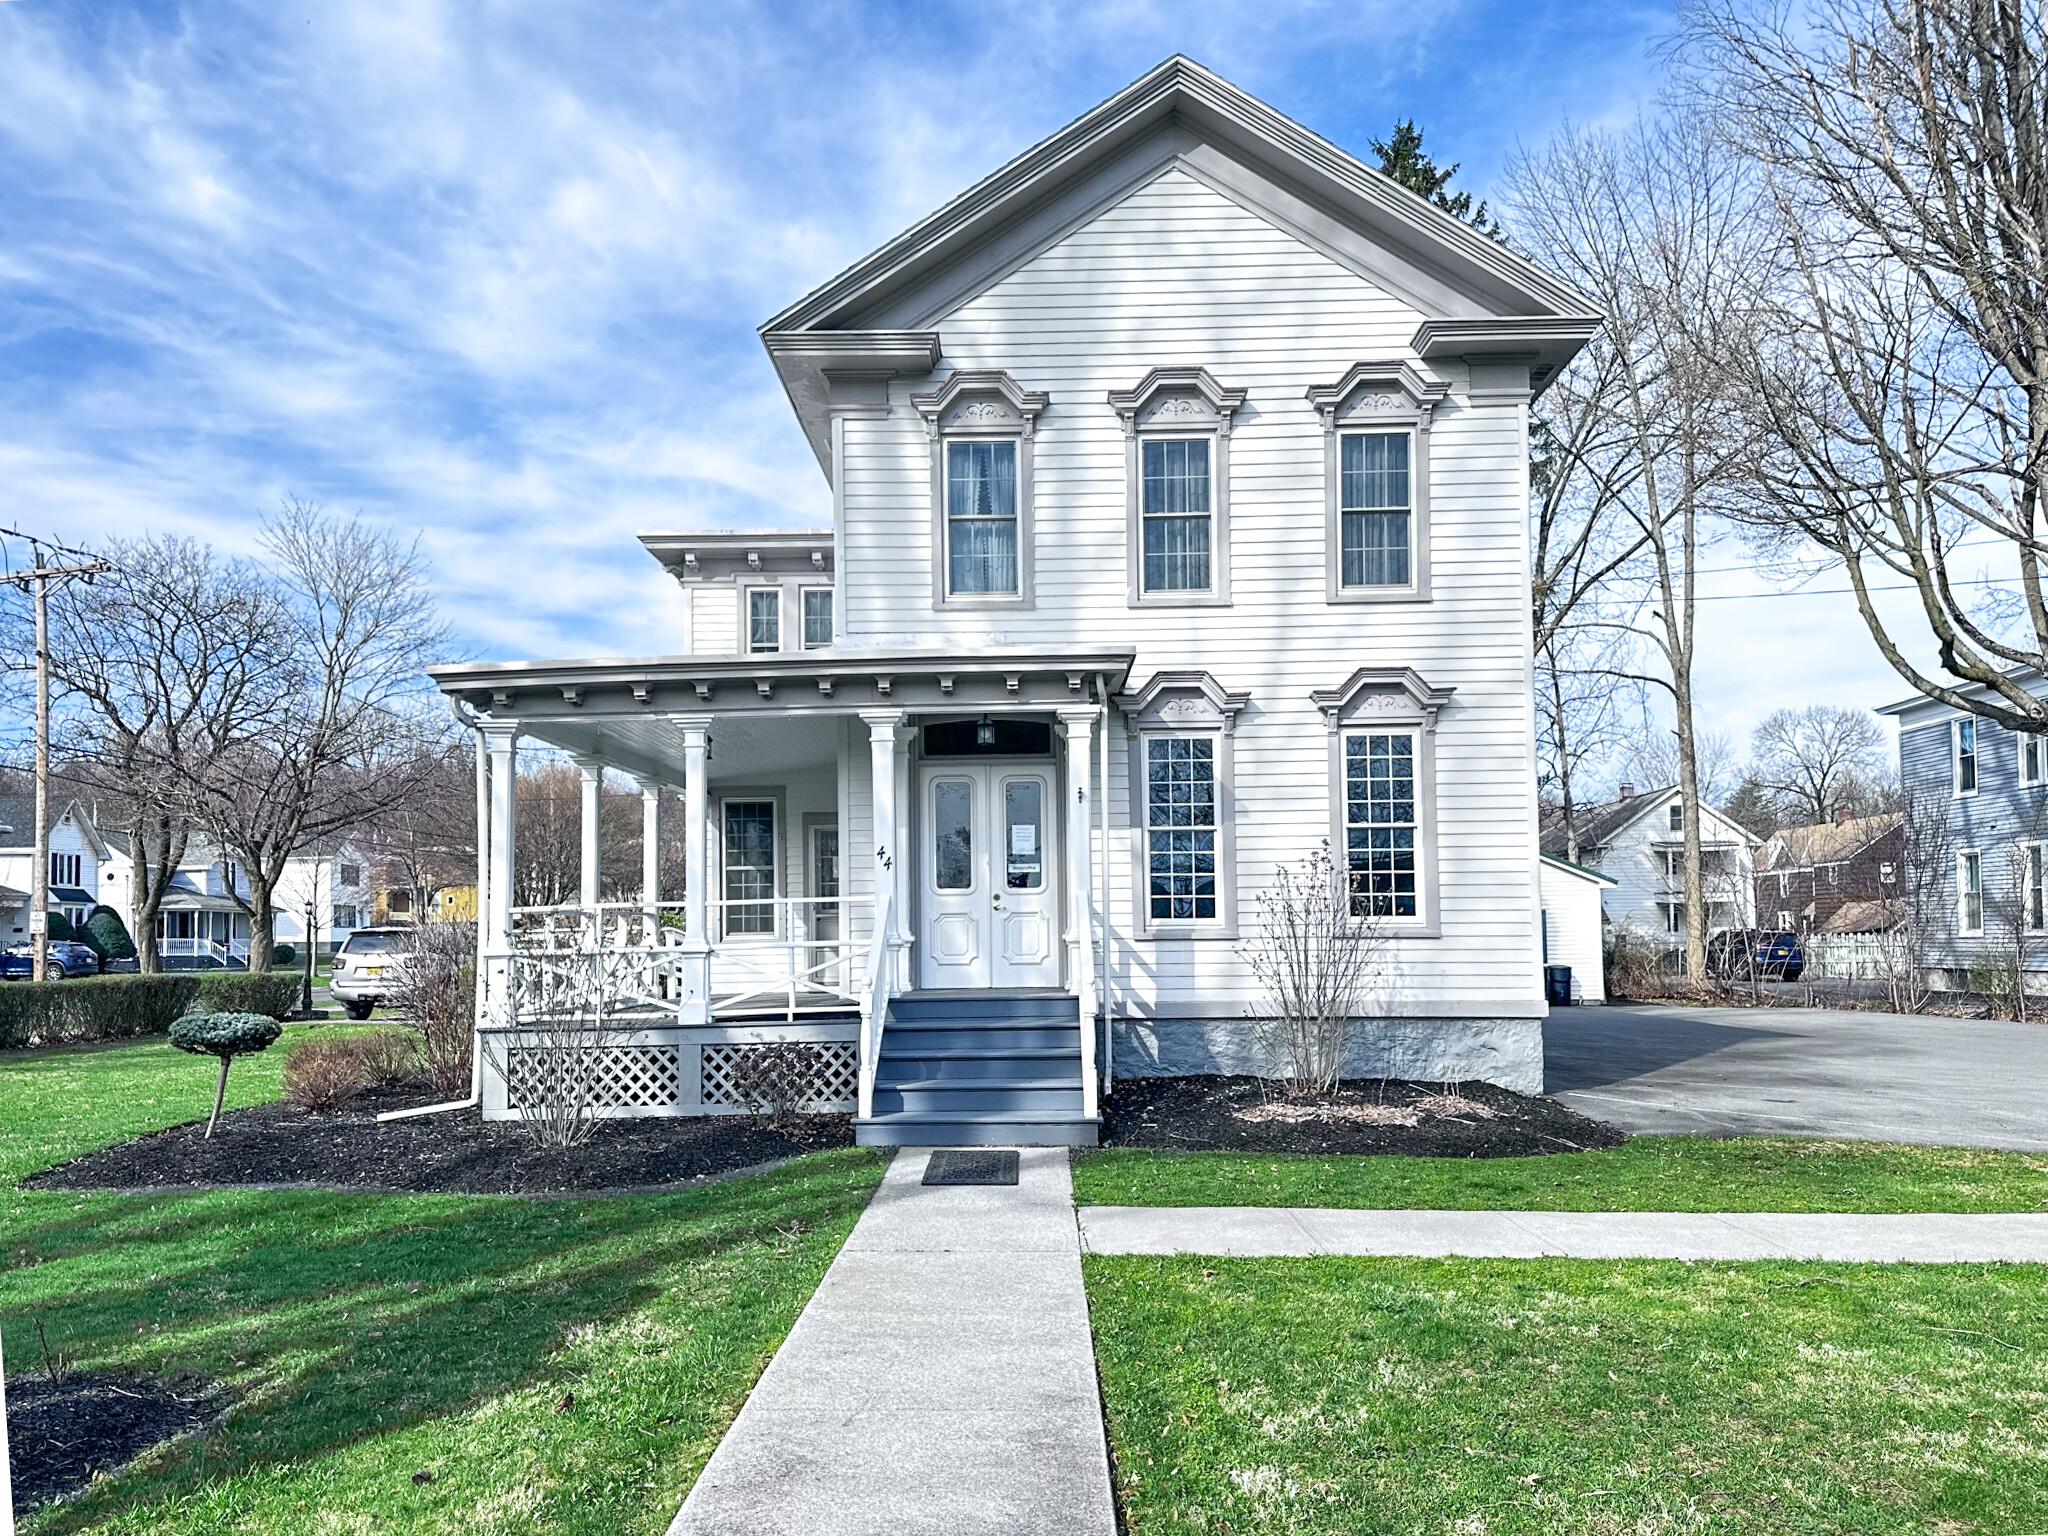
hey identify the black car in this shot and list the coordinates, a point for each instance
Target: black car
(1740, 954)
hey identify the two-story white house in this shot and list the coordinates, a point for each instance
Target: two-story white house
(1638, 841)
(1179, 490)
(76, 853)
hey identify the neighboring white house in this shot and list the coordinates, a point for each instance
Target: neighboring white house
(76, 854)
(1638, 841)
(1179, 480)
(201, 923)
(1573, 925)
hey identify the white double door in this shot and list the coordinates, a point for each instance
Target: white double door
(989, 877)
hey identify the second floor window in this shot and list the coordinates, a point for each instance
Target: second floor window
(764, 619)
(981, 517)
(1176, 515)
(2033, 756)
(351, 875)
(1373, 510)
(1966, 757)
(1678, 818)
(817, 617)
(65, 868)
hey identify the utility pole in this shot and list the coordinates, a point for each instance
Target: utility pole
(37, 581)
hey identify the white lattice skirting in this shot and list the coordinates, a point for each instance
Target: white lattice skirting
(674, 1071)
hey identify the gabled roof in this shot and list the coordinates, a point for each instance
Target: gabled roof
(1601, 825)
(18, 815)
(1827, 842)
(876, 317)
(1579, 871)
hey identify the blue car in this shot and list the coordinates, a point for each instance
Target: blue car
(68, 958)
(1740, 954)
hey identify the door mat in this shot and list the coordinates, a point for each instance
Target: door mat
(971, 1168)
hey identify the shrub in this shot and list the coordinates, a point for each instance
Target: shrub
(225, 1035)
(778, 1079)
(283, 956)
(92, 1008)
(437, 994)
(322, 1075)
(108, 935)
(386, 1058)
(1313, 956)
(60, 927)
(273, 993)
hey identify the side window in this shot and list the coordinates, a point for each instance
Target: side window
(1380, 824)
(1373, 511)
(1376, 424)
(1966, 756)
(981, 519)
(817, 617)
(1174, 486)
(764, 619)
(749, 904)
(1970, 891)
(1180, 828)
(1177, 426)
(1677, 814)
(2031, 758)
(1182, 729)
(1383, 730)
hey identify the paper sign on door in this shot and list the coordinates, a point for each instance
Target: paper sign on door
(1024, 839)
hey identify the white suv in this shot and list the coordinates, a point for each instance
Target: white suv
(368, 967)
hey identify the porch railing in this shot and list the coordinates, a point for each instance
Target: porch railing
(874, 1001)
(221, 952)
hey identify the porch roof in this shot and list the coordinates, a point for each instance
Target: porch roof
(625, 711)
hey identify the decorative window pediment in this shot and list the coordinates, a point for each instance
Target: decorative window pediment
(1394, 695)
(1190, 699)
(1386, 390)
(1177, 399)
(981, 400)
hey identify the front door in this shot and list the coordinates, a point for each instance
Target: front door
(990, 896)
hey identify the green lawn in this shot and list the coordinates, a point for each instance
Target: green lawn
(1569, 1398)
(369, 1337)
(1650, 1173)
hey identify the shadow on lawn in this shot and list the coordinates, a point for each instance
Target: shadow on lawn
(335, 1316)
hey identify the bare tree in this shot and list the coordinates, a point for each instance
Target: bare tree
(1819, 761)
(550, 839)
(1926, 913)
(1582, 716)
(1313, 955)
(426, 841)
(348, 734)
(161, 667)
(1654, 226)
(1898, 363)
(1652, 759)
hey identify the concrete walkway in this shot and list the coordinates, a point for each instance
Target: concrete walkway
(1267, 1232)
(941, 1380)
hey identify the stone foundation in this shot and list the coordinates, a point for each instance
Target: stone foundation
(1506, 1052)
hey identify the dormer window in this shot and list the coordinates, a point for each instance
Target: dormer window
(1376, 426)
(1177, 431)
(981, 424)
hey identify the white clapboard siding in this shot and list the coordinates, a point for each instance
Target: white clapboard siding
(1178, 274)
(714, 620)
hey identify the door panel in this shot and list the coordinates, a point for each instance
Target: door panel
(1025, 913)
(956, 907)
(990, 892)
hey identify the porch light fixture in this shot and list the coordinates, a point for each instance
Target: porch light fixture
(985, 732)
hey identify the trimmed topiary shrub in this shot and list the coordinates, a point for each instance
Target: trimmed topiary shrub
(92, 1008)
(273, 993)
(283, 956)
(226, 1036)
(60, 928)
(108, 935)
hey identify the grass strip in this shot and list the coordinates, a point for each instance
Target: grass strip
(1649, 1173)
(1573, 1398)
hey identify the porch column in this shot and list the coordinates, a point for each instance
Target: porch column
(501, 741)
(650, 846)
(883, 725)
(695, 1004)
(592, 771)
(1078, 725)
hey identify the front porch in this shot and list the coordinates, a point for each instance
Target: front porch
(894, 890)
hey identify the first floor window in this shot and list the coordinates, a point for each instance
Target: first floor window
(817, 617)
(981, 517)
(1175, 486)
(1674, 917)
(1180, 827)
(2035, 914)
(344, 917)
(1374, 509)
(1379, 824)
(764, 619)
(750, 866)
(1970, 891)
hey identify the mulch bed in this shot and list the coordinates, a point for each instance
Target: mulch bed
(1207, 1114)
(61, 1435)
(458, 1152)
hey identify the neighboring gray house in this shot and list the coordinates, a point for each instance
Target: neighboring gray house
(1977, 812)
(1638, 841)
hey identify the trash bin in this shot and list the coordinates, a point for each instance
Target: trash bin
(1557, 985)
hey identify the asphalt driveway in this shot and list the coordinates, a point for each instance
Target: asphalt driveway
(1802, 1072)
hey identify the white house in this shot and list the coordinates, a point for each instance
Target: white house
(200, 921)
(1178, 476)
(1638, 841)
(76, 854)
(1573, 925)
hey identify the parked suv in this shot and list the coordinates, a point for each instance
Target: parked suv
(67, 958)
(368, 967)
(1775, 956)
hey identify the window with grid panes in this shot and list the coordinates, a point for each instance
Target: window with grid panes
(1180, 827)
(1380, 825)
(817, 617)
(750, 866)
(764, 619)
(1176, 515)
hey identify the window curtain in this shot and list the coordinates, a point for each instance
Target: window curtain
(1176, 510)
(1375, 506)
(981, 516)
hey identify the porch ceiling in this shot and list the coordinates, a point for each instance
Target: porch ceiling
(757, 748)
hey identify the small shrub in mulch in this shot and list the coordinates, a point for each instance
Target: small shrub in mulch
(455, 1152)
(1249, 1114)
(322, 1075)
(63, 1433)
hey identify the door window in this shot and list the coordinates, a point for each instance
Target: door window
(1023, 834)
(953, 834)
(750, 866)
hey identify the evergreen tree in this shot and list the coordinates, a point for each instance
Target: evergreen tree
(1401, 157)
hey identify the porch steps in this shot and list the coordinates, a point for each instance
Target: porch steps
(979, 1069)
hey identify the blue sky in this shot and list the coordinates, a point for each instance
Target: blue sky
(492, 270)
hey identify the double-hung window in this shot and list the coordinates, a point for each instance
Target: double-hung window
(981, 518)
(764, 619)
(1970, 891)
(1374, 521)
(1174, 484)
(749, 866)
(1966, 756)
(2033, 758)
(2033, 907)
(1382, 871)
(1180, 827)
(817, 617)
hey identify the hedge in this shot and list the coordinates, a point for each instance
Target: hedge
(92, 1008)
(273, 993)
